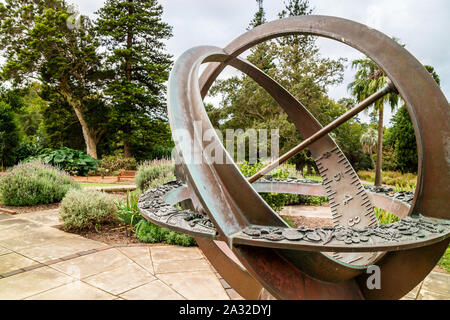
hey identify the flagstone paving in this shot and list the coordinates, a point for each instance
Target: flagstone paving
(38, 261)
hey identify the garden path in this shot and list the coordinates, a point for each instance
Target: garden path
(38, 261)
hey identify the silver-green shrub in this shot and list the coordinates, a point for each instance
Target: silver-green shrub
(86, 209)
(34, 183)
(154, 173)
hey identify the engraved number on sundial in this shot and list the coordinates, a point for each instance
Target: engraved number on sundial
(354, 221)
(347, 199)
(338, 176)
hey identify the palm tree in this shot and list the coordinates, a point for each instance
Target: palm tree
(369, 78)
(369, 142)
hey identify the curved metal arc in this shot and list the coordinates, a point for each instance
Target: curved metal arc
(416, 87)
(227, 174)
(307, 125)
(217, 198)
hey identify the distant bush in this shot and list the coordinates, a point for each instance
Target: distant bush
(145, 231)
(70, 160)
(385, 217)
(310, 200)
(275, 200)
(392, 178)
(86, 209)
(9, 136)
(34, 183)
(151, 233)
(111, 164)
(153, 173)
(29, 149)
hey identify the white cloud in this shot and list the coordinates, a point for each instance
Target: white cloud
(375, 14)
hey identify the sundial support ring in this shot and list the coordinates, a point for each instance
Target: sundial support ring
(221, 192)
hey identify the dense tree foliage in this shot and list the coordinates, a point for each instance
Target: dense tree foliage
(39, 43)
(403, 141)
(137, 67)
(401, 137)
(9, 136)
(295, 62)
(89, 87)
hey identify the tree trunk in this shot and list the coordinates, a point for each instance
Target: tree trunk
(89, 137)
(378, 178)
(127, 151)
(309, 170)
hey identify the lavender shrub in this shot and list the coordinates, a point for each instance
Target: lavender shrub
(34, 183)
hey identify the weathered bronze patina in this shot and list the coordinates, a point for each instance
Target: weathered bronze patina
(247, 242)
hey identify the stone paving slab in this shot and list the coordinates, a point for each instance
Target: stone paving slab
(48, 217)
(135, 252)
(155, 290)
(185, 266)
(13, 261)
(430, 295)
(437, 282)
(145, 262)
(80, 268)
(121, 279)
(17, 228)
(89, 265)
(39, 236)
(76, 290)
(4, 251)
(198, 285)
(174, 253)
(30, 283)
(59, 249)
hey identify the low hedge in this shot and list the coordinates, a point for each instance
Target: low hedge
(152, 174)
(34, 183)
(86, 209)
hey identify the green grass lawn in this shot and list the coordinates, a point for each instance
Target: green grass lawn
(87, 184)
(445, 260)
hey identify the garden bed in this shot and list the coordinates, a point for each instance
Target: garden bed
(27, 209)
(111, 234)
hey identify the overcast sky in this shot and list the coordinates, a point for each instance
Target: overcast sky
(424, 27)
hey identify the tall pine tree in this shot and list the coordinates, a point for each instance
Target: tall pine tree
(294, 62)
(137, 66)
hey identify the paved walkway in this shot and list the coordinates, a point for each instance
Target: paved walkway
(41, 262)
(38, 261)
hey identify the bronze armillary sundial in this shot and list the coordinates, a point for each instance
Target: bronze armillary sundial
(267, 258)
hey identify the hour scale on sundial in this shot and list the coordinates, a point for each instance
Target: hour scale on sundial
(255, 251)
